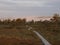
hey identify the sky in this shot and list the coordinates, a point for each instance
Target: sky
(26, 8)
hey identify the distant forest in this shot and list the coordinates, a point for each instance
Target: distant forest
(19, 21)
(53, 23)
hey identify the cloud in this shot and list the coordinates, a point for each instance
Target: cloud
(53, 3)
(24, 3)
(28, 7)
(29, 3)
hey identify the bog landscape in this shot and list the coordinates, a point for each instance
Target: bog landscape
(29, 22)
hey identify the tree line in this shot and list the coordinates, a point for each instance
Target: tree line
(19, 21)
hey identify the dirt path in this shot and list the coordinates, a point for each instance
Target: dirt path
(45, 42)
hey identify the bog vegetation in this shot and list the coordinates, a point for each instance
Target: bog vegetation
(16, 31)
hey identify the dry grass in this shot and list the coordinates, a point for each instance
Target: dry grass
(18, 37)
(50, 33)
(18, 41)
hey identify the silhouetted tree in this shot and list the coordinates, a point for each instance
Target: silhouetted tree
(6, 21)
(24, 20)
(55, 18)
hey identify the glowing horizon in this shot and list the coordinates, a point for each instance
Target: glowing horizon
(29, 18)
(23, 8)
